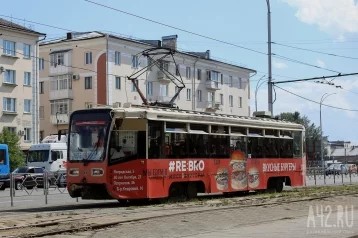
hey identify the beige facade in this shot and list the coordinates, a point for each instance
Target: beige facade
(19, 81)
(83, 75)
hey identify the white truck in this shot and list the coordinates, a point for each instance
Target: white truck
(50, 154)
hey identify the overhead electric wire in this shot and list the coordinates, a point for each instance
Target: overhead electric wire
(176, 28)
(315, 51)
(47, 25)
(339, 108)
(303, 63)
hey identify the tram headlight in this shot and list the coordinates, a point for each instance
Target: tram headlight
(74, 172)
(97, 172)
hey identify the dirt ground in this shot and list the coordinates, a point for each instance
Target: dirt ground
(224, 217)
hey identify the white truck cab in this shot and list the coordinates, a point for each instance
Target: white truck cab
(50, 154)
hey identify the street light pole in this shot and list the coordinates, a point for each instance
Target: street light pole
(320, 122)
(257, 87)
(270, 104)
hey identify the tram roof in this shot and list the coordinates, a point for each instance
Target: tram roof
(187, 116)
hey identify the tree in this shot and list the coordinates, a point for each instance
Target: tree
(313, 133)
(12, 140)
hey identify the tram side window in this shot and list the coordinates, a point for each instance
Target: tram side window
(198, 146)
(155, 139)
(219, 146)
(255, 147)
(124, 145)
(297, 144)
(176, 140)
(270, 147)
(238, 143)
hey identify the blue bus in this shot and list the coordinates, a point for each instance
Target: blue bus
(4, 160)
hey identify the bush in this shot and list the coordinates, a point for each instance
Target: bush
(12, 140)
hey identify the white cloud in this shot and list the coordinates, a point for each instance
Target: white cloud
(321, 64)
(279, 65)
(332, 16)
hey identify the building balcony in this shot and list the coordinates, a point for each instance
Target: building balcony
(213, 105)
(162, 77)
(214, 85)
(60, 70)
(62, 119)
(61, 94)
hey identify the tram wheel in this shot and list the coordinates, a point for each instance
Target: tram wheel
(191, 190)
(176, 192)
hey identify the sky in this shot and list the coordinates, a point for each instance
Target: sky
(328, 26)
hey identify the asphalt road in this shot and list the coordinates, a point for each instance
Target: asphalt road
(36, 198)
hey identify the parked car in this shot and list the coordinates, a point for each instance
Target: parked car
(337, 169)
(352, 168)
(27, 177)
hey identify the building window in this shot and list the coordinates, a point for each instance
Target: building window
(188, 72)
(88, 105)
(88, 82)
(231, 101)
(163, 90)
(117, 58)
(177, 70)
(27, 134)
(9, 47)
(199, 96)
(221, 99)
(211, 97)
(11, 129)
(230, 81)
(133, 87)
(240, 102)
(27, 106)
(134, 61)
(240, 83)
(222, 79)
(176, 91)
(9, 104)
(10, 76)
(42, 112)
(41, 64)
(88, 58)
(118, 82)
(188, 94)
(199, 74)
(41, 85)
(150, 88)
(61, 107)
(27, 78)
(57, 59)
(27, 50)
(149, 62)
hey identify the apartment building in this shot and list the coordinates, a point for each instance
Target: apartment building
(78, 73)
(19, 81)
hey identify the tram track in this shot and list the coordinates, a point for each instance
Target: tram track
(120, 217)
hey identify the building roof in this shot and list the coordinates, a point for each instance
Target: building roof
(13, 26)
(77, 36)
(353, 151)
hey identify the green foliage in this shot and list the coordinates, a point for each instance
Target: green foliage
(12, 140)
(313, 132)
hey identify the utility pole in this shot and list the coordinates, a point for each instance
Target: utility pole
(270, 104)
(321, 130)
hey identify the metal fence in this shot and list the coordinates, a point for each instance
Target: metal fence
(319, 176)
(43, 185)
(50, 187)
